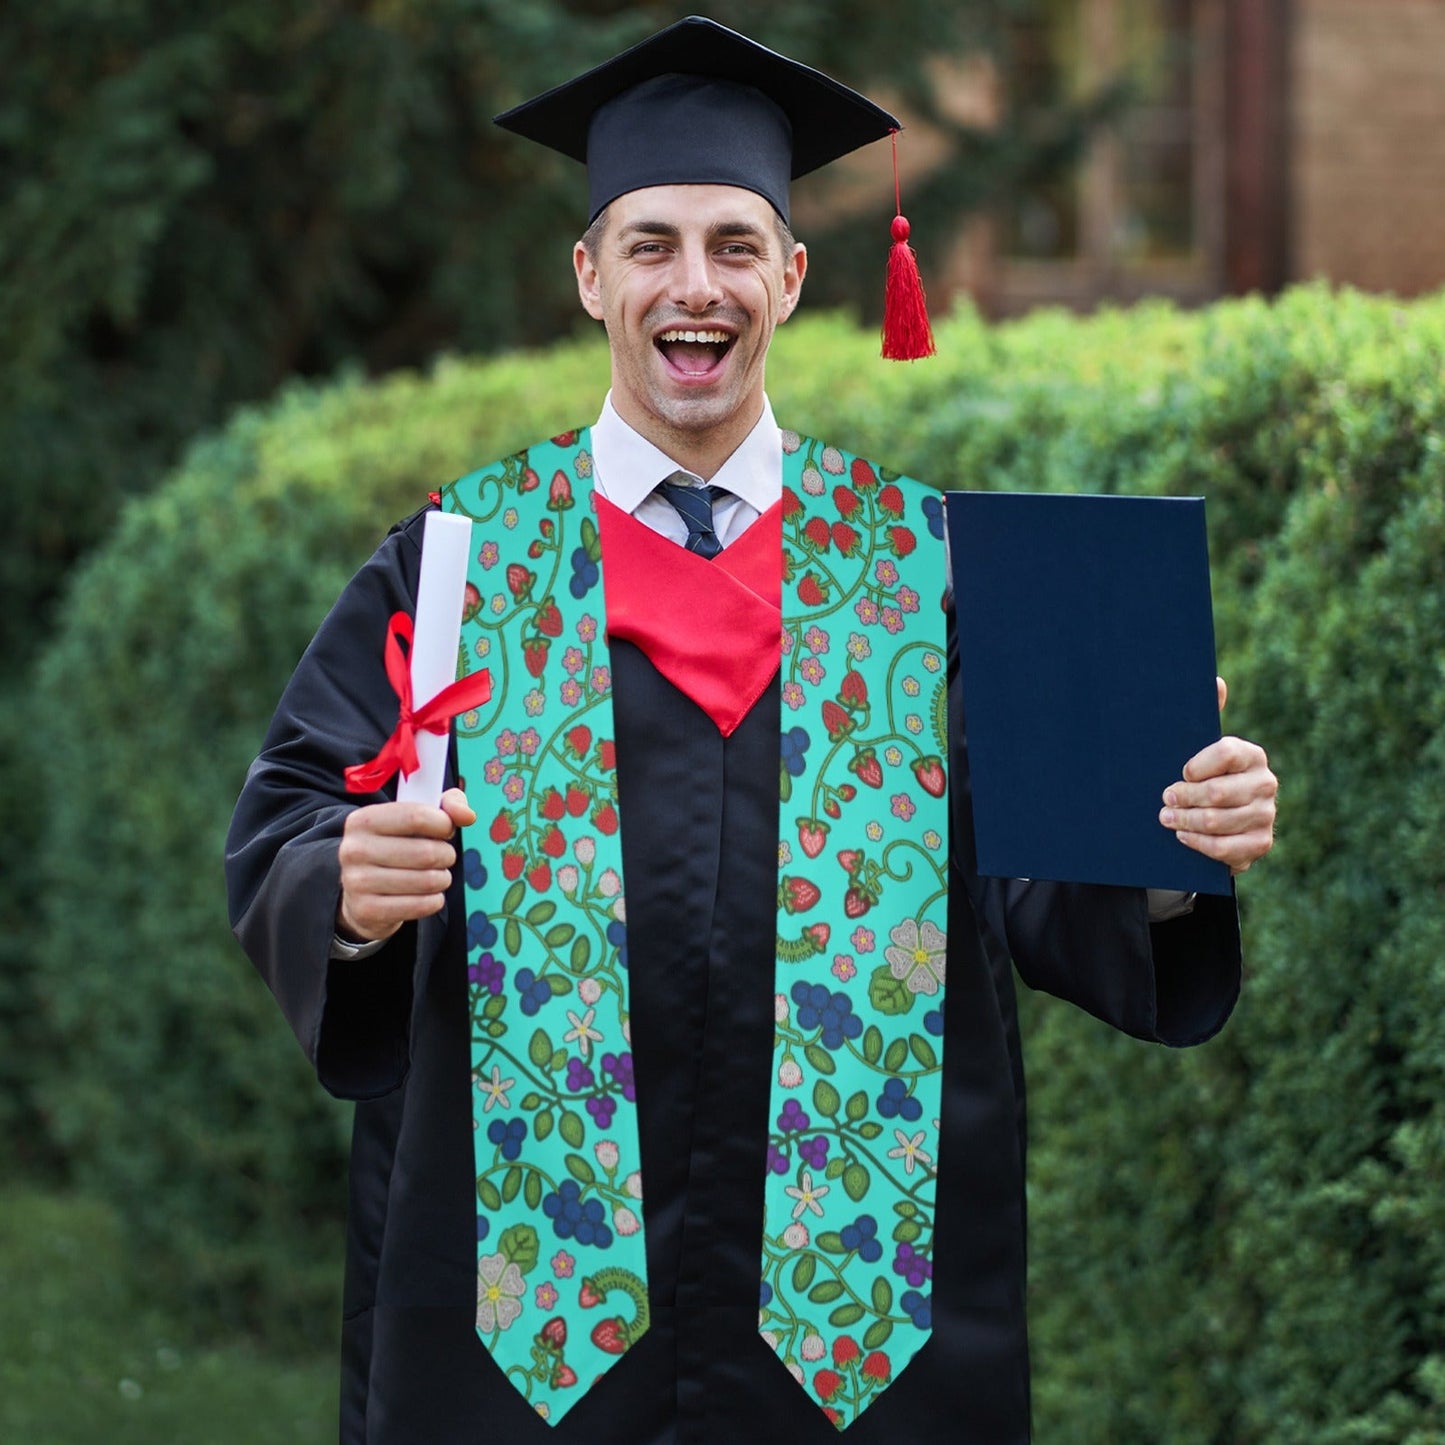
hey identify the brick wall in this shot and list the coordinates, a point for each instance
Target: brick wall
(1367, 143)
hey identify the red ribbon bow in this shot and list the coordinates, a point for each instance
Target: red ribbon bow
(399, 750)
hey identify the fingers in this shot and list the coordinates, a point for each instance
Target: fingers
(1222, 688)
(396, 861)
(1224, 807)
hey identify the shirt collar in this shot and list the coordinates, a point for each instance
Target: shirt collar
(628, 467)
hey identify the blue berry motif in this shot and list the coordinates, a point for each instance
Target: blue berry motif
(535, 991)
(933, 510)
(584, 573)
(862, 1235)
(895, 1102)
(933, 1021)
(617, 937)
(918, 1307)
(795, 744)
(818, 1006)
(473, 869)
(574, 1218)
(509, 1135)
(481, 931)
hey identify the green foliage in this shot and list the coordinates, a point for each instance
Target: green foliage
(1240, 1244)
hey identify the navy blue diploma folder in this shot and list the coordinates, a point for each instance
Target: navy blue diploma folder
(1086, 655)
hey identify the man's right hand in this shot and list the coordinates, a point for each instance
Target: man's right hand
(396, 862)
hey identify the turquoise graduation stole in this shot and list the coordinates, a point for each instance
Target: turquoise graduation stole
(851, 1147)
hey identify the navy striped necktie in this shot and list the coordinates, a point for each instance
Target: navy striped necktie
(694, 505)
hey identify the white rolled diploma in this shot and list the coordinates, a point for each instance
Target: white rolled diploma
(446, 546)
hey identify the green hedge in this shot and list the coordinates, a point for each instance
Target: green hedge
(1240, 1244)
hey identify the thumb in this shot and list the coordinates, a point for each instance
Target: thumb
(454, 804)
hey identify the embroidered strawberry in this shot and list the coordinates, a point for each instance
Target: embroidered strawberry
(800, 894)
(819, 933)
(851, 859)
(902, 540)
(816, 531)
(845, 539)
(847, 792)
(836, 721)
(513, 861)
(554, 1334)
(563, 1376)
(579, 739)
(529, 481)
(877, 1366)
(553, 843)
(812, 593)
(501, 828)
(552, 807)
(890, 500)
(831, 808)
(610, 1335)
(606, 755)
(847, 501)
(534, 549)
(827, 1383)
(929, 772)
(605, 818)
(564, 439)
(867, 768)
(862, 474)
(792, 503)
(549, 619)
(856, 903)
(559, 494)
(577, 800)
(845, 1351)
(588, 1296)
(854, 690)
(471, 602)
(812, 836)
(534, 655)
(546, 527)
(519, 580)
(540, 876)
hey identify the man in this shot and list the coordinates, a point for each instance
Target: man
(658, 1024)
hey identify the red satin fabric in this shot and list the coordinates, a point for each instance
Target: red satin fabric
(712, 628)
(398, 753)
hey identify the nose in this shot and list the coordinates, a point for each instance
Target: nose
(696, 287)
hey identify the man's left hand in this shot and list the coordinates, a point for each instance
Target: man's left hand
(1224, 805)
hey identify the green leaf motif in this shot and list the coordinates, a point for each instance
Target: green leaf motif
(876, 1335)
(542, 1124)
(870, 1130)
(906, 1207)
(581, 953)
(558, 984)
(532, 1100)
(845, 1315)
(579, 1168)
(803, 1272)
(519, 1244)
(940, 716)
(572, 1131)
(857, 1107)
(872, 1044)
(559, 1061)
(539, 913)
(559, 936)
(511, 1183)
(487, 1193)
(834, 1168)
(923, 1051)
(512, 936)
(896, 1057)
(826, 1098)
(532, 1189)
(831, 1242)
(820, 1059)
(825, 1291)
(856, 1180)
(495, 1006)
(539, 1050)
(887, 994)
(907, 1230)
(882, 1296)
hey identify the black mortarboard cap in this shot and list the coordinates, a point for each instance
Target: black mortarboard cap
(699, 104)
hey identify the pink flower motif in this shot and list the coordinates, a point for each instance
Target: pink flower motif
(534, 702)
(513, 788)
(886, 572)
(582, 463)
(867, 610)
(530, 741)
(793, 695)
(493, 770)
(489, 556)
(546, 1295)
(863, 939)
(506, 742)
(587, 627)
(907, 599)
(563, 1264)
(787, 641)
(893, 619)
(570, 692)
(574, 660)
(816, 640)
(601, 679)
(903, 806)
(843, 967)
(812, 670)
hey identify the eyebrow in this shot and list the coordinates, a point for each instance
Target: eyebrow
(666, 230)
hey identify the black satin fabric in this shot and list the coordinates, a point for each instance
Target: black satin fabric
(700, 827)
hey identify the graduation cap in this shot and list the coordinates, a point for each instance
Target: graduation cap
(699, 104)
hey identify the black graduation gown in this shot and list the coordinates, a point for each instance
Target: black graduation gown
(700, 827)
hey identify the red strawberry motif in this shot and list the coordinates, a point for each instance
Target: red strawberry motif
(534, 549)
(554, 1333)
(551, 807)
(513, 862)
(534, 655)
(501, 828)
(553, 843)
(800, 894)
(519, 580)
(868, 768)
(819, 933)
(559, 494)
(877, 1366)
(854, 690)
(845, 1351)
(846, 500)
(587, 1296)
(540, 876)
(564, 439)
(606, 755)
(847, 792)
(605, 818)
(929, 772)
(845, 538)
(549, 619)
(827, 1383)
(831, 808)
(835, 720)
(890, 500)
(529, 481)
(610, 1335)
(856, 903)
(563, 1376)
(851, 859)
(577, 800)
(471, 603)
(546, 527)
(812, 836)
(792, 503)
(579, 739)
(862, 474)
(810, 592)
(902, 539)
(816, 531)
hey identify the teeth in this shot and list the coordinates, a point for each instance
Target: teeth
(717, 337)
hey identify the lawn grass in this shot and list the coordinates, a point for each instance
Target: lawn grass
(81, 1359)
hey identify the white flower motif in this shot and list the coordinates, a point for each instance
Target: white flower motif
(780, 1008)
(499, 1293)
(589, 990)
(624, 1221)
(495, 1089)
(633, 1184)
(609, 883)
(813, 1348)
(910, 1151)
(568, 878)
(582, 1031)
(789, 1074)
(795, 1236)
(607, 1154)
(917, 955)
(586, 850)
(795, 1370)
(807, 1195)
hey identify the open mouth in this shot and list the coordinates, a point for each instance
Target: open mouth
(694, 353)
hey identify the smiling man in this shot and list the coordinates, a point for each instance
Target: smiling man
(664, 1130)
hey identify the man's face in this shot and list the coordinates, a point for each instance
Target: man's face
(690, 282)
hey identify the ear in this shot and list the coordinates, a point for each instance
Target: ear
(589, 284)
(794, 270)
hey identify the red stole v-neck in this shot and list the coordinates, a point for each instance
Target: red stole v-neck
(712, 628)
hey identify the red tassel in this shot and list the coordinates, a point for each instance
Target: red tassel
(907, 336)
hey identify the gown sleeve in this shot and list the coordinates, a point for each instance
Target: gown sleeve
(283, 874)
(1093, 945)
